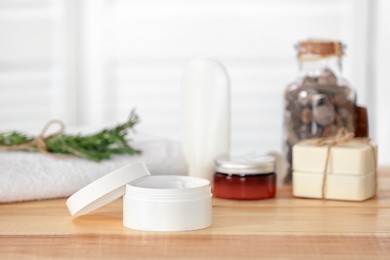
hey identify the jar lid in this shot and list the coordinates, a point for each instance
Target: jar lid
(242, 164)
(313, 49)
(105, 190)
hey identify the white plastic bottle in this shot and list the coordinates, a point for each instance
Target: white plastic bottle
(205, 116)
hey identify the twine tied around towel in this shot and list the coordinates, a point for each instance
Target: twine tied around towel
(343, 136)
(40, 141)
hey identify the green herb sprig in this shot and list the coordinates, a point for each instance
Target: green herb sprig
(95, 147)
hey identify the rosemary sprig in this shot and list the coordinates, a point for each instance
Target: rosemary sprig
(14, 138)
(95, 147)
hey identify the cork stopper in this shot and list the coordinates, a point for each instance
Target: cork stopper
(314, 49)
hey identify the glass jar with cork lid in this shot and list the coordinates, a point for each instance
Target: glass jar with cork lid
(320, 101)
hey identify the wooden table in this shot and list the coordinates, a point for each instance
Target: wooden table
(284, 227)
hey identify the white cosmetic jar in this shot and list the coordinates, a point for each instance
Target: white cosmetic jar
(167, 203)
(150, 203)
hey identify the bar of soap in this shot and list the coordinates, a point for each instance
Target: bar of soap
(350, 174)
(338, 187)
(352, 158)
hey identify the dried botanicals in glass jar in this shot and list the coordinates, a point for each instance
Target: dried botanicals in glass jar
(320, 101)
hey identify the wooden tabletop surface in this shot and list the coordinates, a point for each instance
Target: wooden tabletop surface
(284, 227)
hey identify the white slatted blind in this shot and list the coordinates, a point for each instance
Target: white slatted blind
(92, 61)
(30, 69)
(152, 41)
(25, 98)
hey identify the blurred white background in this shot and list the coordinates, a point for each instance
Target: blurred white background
(89, 62)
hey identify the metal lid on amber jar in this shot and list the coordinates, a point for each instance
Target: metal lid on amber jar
(243, 164)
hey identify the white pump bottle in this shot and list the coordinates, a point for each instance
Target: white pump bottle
(205, 116)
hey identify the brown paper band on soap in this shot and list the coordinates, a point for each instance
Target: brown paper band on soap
(344, 136)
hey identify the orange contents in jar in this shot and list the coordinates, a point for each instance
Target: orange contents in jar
(245, 177)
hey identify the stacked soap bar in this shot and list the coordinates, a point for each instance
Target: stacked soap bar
(350, 174)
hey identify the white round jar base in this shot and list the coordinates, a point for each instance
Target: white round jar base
(168, 203)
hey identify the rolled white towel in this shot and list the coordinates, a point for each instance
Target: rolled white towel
(33, 176)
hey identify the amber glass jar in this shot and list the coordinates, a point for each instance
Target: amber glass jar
(320, 101)
(244, 177)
